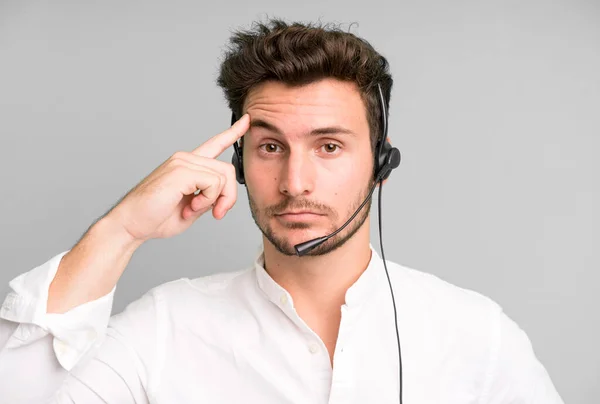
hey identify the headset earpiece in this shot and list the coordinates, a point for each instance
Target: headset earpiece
(238, 163)
(386, 157)
(237, 158)
(389, 158)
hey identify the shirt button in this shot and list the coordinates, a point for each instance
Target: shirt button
(283, 300)
(313, 348)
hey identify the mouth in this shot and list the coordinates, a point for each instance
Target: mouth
(298, 215)
(298, 212)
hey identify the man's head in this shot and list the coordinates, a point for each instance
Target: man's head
(311, 92)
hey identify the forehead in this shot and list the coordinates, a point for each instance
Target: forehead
(323, 102)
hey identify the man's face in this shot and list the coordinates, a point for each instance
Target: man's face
(307, 162)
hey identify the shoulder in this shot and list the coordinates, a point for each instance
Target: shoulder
(473, 331)
(214, 285)
(458, 326)
(162, 298)
(460, 321)
(436, 292)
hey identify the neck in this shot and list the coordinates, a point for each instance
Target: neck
(323, 279)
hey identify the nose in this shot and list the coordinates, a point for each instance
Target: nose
(297, 175)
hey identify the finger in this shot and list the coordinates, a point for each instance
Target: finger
(188, 213)
(193, 179)
(199, 202)
(222, 206)
(224, 203)
(229, 191)
(216, 145)
(200, 161)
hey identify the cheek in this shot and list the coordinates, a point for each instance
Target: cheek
(351, 185)
(262, 182)
(358, 171)
(336, 191)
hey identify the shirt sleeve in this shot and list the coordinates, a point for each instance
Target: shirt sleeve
(516, 376)
(71, 357)
(74, 332)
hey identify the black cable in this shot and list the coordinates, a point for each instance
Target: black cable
(393, 300)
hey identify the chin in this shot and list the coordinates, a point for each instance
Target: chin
(298, 232)
(284, 238)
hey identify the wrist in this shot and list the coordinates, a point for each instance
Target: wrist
(108, 228)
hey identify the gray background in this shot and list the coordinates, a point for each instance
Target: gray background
(496, 109)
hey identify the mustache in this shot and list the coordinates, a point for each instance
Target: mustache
(298, 204)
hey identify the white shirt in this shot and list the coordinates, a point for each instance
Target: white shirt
(236, 338)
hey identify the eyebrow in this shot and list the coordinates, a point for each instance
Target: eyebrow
(328, 130)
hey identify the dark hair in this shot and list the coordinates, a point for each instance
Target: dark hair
(298, 54)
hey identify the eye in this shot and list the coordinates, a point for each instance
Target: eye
(330, 148)
(270, 147)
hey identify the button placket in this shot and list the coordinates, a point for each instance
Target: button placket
(339, 376)
(345, 327)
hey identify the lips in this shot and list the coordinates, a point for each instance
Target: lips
(298, 215)
(301, 212)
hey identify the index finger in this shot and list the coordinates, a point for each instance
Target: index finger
(217, 144)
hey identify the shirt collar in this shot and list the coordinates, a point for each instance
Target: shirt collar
(356, 294)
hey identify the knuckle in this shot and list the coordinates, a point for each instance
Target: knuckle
(179, 170)
(220, 183)
(216, 180)
(179, 155)
(176, 161)
(231, 170)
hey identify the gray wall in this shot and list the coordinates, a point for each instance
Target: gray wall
(496, 109)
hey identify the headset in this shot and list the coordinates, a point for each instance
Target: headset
(387, 158)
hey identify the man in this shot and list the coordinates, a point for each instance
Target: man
(291, 328)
